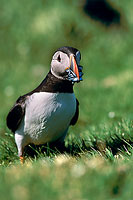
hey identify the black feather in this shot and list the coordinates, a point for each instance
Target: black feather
(68, 50)
(16, 114)
(75, 118)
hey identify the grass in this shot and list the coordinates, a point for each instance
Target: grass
(96, 161)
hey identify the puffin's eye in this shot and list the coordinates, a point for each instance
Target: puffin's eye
(59, 58)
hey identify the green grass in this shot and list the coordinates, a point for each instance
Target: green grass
(96, 162)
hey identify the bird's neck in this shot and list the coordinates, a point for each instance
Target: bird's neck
(53, 84)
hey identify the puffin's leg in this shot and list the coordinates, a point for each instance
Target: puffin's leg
(19, 142)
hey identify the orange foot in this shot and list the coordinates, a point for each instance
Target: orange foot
(21, 159)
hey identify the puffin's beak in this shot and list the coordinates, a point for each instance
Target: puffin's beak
(74, 71)
(73, 66)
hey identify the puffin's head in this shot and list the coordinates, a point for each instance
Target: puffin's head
(65, 64)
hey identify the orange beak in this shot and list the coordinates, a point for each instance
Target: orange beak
(74, 71)
(75, 68)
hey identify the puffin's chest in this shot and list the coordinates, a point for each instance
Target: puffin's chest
(49, 112)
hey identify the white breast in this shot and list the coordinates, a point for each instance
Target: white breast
(47, 116)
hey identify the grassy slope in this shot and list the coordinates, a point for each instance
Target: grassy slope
(101, 165)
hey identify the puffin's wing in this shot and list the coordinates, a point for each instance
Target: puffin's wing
(16, 114)
(75, 117)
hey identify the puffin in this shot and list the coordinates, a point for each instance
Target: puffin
(45, 114)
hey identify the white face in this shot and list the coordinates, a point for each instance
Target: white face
(60, 62)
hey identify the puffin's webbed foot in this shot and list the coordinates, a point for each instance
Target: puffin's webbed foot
(21, 159)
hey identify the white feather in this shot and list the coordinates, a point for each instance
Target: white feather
(47, 117)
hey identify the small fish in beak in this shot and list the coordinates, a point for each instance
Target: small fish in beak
(74, 71)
